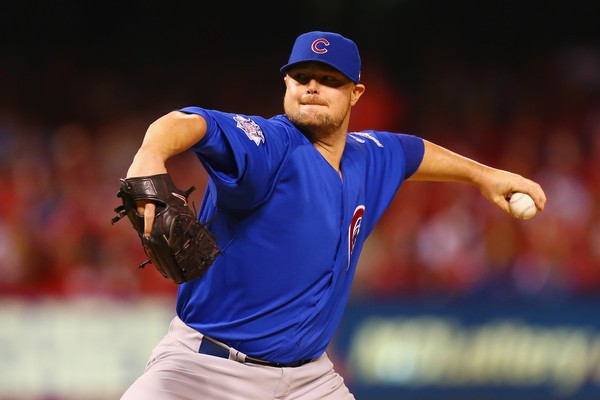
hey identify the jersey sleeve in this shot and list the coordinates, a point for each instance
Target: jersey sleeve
(413, 148)
(242, 156)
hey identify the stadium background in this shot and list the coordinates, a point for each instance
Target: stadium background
(452, 297)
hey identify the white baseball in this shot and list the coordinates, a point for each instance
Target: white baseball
(522, 206)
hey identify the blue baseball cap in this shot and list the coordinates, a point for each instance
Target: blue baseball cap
(328, 48)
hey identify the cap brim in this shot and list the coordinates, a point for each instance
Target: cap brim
(286, 67)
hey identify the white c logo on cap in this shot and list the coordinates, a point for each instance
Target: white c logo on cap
(320, 49)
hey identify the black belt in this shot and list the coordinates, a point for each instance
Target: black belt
(212, 347)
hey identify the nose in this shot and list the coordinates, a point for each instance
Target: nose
(312, 86)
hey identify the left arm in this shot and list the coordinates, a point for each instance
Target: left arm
(496, 185)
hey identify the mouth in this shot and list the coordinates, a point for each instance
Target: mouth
(311, 101)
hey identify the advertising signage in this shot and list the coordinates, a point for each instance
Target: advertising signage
(471, 349)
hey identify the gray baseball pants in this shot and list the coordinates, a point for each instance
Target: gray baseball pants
(176, 371)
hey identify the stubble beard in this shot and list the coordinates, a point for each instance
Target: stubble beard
(315, 126)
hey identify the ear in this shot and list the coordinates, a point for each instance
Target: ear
(357, 91)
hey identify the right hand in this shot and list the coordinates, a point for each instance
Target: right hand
(146, 164)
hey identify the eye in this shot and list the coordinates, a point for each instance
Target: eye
(301, 77)
(331, 81)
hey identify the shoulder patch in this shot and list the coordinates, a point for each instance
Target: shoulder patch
(355, 136)
(250, 128)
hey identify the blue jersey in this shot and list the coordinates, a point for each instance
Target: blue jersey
(290, 228)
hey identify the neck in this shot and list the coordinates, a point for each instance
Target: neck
(332, 148)
(329, 140)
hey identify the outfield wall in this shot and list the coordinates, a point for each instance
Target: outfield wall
(91, 349)
(472, 349)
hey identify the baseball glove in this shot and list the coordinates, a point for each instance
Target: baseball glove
(180, 246)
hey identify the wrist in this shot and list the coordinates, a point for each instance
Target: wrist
(145, 164)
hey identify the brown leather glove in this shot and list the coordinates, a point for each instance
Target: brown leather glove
(180, 246)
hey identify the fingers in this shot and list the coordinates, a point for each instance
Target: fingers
(540, 199)
(537, 194)
(148, 211)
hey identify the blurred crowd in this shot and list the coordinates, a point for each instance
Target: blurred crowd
(541, 119)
